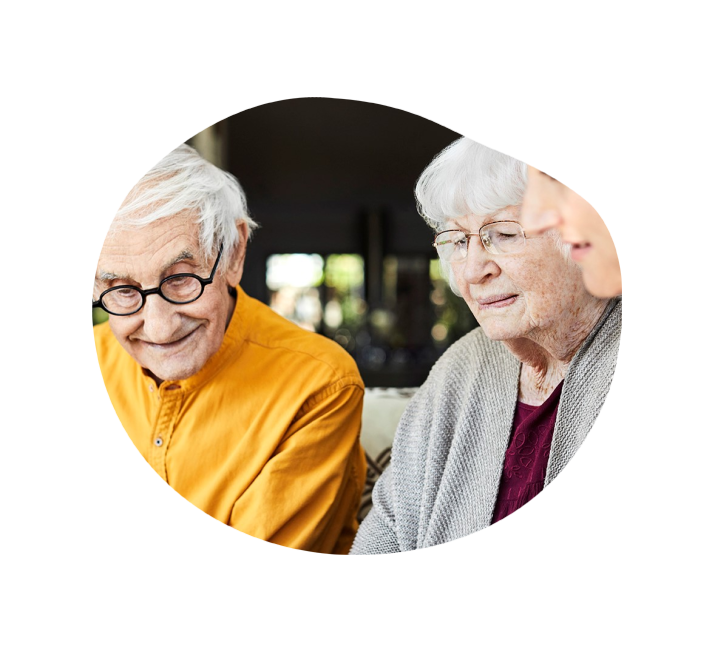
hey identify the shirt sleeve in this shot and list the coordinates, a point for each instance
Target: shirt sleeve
(307, 494)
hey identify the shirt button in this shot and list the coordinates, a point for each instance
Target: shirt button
(158, 441)
(151, 388)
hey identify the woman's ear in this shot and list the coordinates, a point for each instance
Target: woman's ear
(234, 271)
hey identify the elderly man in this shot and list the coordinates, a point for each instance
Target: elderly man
(249, 417)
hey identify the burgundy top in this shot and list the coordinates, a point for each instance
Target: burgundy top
(527, 455)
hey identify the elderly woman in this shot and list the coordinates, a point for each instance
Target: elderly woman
(508, 405)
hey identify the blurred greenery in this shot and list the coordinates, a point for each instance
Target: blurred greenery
(453, 318)
(98, 316)
(344, 277)
(344, 272)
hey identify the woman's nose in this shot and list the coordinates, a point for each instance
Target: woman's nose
(479, 264)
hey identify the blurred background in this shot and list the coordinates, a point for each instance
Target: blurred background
(342, 250)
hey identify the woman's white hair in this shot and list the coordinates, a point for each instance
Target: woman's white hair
(183, 181)
(467, 178)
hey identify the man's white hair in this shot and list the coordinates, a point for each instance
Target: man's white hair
(183, 181)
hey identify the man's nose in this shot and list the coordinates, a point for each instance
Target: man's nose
(161, 319)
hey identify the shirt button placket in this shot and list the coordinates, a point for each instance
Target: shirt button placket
(168, 411)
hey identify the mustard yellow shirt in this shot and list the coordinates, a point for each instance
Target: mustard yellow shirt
(264, 438)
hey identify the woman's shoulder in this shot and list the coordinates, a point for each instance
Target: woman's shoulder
(476, 343)
(467, 373)
(470, 355)
(599, 351)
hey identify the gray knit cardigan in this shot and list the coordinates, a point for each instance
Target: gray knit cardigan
(449, 449)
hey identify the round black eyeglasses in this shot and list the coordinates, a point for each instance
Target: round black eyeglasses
(125, 300)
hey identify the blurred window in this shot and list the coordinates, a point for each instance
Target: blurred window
(395, 341)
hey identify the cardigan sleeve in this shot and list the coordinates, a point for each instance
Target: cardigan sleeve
(404, 497)
(377, 535)
(393, 522)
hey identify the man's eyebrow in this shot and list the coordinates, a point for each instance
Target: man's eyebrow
(184, 255)
(111, 276)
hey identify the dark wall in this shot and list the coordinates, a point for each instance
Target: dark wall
(317, 172)
(326, 176)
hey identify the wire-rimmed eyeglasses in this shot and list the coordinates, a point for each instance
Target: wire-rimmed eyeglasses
(506, 237)
(125, 300)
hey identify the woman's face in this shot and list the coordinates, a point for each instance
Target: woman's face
(526, 294)
(549, 204)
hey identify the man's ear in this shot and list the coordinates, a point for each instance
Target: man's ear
(238, 256)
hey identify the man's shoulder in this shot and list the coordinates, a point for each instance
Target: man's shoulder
(110, 354)
(105, 341)
(275, 335)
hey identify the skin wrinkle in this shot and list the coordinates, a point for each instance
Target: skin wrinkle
(150, 253)
(111, 276)
(549, 319)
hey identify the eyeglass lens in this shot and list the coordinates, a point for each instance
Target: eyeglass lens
(179, 289)
(497, 238)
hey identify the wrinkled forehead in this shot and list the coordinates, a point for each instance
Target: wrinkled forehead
(150, 247)
(473, 223)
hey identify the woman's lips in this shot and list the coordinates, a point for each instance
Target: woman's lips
(496, 301)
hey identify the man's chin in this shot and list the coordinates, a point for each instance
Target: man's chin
(169, 363)
(172, 370)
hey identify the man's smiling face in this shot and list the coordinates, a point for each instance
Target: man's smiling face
(173, 342)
